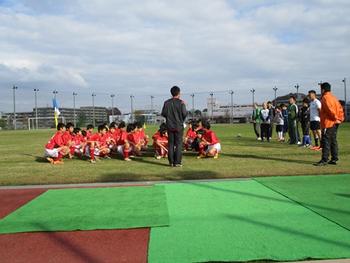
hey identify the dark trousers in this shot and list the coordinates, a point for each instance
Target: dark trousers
(292, 131)
(329, 143)
(175, 146)
(256, 129)
(265, 131)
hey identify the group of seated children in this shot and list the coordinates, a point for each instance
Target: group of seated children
(69, 141)
(127, 140)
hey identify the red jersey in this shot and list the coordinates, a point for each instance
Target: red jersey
(210, 137)
(88, 134)
(133, 138)
(158, 137)
(104, 139)
(191, 134)
(56, 141)
(116, 135)
(122, 137)
(78, 139)
(96, 137)
(67, 136)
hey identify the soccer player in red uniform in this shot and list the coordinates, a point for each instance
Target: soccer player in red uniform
(160, 142)
(68, 139)
(89, 130)
(190, 136)
(210, 145)
(79, 142)
(97, 144)
(143, 138)
(55, 149)
(123, 146)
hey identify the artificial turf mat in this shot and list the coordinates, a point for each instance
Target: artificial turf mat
(90, 209)
(327, 195)
(242, 221)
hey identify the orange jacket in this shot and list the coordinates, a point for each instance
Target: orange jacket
(331, 111)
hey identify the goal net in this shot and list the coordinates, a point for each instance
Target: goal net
(43, 122)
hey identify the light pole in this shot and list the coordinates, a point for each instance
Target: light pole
(36, 107)
(192, 95)
(275, 90)
(54, 94)
(231, 93)
(253, 95)
(132, 107)
(93, 108)
(345, 106)
(74, 115)
(212, 104)
(297, 87)
(152, 97)
(112, 99)
(14, 107)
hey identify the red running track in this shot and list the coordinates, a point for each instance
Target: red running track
(129, 245)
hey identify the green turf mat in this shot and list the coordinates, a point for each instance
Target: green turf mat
(241, 221)
(327, 195)
(89, 209)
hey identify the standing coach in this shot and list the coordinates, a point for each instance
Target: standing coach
(174, 111)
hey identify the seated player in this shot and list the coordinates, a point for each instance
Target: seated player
(79, 142)
(55, 149)
(97, 145)
(123, 146)
(160, 142)
(209, 145)
(133, 140)
(89, 130)
(143, 138)
(68, 139)
(111, 136)
(190, 136)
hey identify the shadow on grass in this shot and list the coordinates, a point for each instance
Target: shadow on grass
(344, 195)
(289, 231)
(267, 158)
(282, 199)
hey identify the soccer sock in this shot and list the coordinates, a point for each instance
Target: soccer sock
(72, 150)
(92, 153)
(201, 150)
(126, 153)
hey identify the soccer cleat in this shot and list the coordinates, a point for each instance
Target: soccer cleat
(332, 162)
(158, 157)
(216, 156)
(178, 165)
(127, 159)
(50, 160)
(92, 161)
(259, 138)
(320, 163)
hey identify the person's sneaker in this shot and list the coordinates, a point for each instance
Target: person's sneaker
(127, 159)
(299, 143)
(216, 156)
(178, 165)
(158, 157)
(320, 163)
(92, 161)
(259, 138)
(50, 160)
(332, 162)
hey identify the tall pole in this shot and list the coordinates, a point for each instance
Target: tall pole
(132, 107)
(297, 87)
(74, 114)
(112, 99)
(231, 93)
(212, 105)
(192, 95)
(345, 100)
(275, 90)
(14, 107)
(152, 97)
(253, 95)
(36, 108)
(93, 108)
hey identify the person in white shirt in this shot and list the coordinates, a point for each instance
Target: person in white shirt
(315, 108)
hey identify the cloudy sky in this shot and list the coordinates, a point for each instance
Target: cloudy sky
(144, 47)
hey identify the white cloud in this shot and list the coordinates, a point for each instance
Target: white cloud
(145, 47)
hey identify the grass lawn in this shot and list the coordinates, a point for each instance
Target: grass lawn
(21, 160)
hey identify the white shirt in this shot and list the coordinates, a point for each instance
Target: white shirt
(315, 106)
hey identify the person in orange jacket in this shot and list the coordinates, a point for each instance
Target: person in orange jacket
(332, 114)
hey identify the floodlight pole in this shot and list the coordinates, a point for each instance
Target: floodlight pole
(212, 105)
(74, 114)
(253, 95)
(112, 99)
(14, 107)
(297, 88)
(192, 95)
(132, 107)
(275, 90)
(93, 108)
(231, 93)
(36, 107)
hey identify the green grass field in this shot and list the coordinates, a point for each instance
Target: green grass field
(21, 160)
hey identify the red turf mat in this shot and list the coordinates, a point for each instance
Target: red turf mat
(80, 246)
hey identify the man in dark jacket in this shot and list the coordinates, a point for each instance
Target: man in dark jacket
(174, 111)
